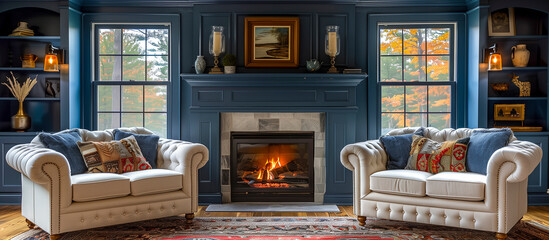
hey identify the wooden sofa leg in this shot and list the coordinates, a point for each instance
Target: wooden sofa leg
(55, 236)
(361, 220)
(189, 217)
(501, 236)
(30, 224)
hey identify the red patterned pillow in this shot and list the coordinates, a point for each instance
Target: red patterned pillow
(114, 156)
(434, 157)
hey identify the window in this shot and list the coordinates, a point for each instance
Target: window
(416, 76)
(132, 77)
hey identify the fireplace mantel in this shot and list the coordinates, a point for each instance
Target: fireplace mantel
(341, 96)
(249, 91)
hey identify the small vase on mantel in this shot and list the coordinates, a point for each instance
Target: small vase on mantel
(20, 122)
(520, 55)
(199, 64)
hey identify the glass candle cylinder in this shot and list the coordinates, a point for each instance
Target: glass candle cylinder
(217, 41)
(332, 44)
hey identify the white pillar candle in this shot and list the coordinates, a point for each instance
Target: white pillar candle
(217, 43)
(332, 44)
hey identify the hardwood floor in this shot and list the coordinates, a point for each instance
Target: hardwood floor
(12, 223)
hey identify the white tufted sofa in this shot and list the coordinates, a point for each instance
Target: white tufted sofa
(58, 202)
(494, 202)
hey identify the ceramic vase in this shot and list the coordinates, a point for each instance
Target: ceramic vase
(20, 121)
(230, 69)
(199, 64)
(520, 55)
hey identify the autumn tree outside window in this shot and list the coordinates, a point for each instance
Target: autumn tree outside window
(132, 77)
(416, 76)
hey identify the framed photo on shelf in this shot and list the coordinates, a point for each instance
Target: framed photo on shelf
(502, 22)
(508, 112)
(271, 42)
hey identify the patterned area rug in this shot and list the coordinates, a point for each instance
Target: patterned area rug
(286, 228)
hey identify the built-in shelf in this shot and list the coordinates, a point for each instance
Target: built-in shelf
(520, 37)
(33, 38)
(30, 99)
(521, 69)
(5, 133)
(517, 98)
(20, 69)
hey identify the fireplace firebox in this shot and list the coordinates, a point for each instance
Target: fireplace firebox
(272, 166)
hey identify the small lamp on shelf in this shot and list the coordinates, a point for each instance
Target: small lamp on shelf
(332, 46)
(52, 59)
(217, 47)
(494, 62)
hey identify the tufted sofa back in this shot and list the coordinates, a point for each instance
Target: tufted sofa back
(99, 136)
(447, 134)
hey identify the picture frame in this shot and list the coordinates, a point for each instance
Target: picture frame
(271, 42)
(52, 87)
(502, 22)
(509, 112)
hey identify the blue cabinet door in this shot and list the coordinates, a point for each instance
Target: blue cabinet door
(10, 180)
(537, 181)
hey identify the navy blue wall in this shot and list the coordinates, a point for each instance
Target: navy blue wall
(197, 19)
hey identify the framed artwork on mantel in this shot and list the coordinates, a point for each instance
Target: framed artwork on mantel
(271, 42)
(502, 22)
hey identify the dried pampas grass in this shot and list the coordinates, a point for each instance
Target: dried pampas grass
(20, 91)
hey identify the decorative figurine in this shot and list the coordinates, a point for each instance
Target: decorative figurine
(523, 86)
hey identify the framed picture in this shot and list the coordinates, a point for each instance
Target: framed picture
(502, 22)
(508, 112)
(271, 42)
(53, 87)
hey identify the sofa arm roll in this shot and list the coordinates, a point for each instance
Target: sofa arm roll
(525, 155)
(370, 154)
(179, 155)
(33, 161)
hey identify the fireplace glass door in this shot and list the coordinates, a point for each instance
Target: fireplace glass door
(272, 166)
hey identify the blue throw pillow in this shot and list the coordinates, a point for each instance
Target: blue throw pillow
(66, 144)
(147, 143)
(482, 145)
(398, 148)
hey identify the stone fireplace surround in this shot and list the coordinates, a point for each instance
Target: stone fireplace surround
(261, 100)
(255, 122)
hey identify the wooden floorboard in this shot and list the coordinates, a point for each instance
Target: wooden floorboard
(12, 223)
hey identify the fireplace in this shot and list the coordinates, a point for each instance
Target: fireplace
(272, 166)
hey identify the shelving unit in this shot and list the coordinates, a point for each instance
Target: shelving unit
(47, 113)
(532, 30)
(44, 111)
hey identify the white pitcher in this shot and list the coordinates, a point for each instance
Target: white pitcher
(520, 55)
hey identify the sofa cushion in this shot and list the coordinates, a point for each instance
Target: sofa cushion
(114, 156)
(91, 187)
(66, 143)
(147, 142)
(398, 148)
(399, 182)
(434, 157)
(458, 186)
(154, 181)
(484, 142)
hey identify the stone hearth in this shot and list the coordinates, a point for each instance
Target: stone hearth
(275, 122)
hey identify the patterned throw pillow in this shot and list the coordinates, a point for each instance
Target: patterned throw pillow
(114, 156)
(434, 157)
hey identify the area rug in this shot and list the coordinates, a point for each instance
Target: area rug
(271, 207)
(285, 228)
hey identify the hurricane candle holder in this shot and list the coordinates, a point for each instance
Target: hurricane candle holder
(217, 47)
(332, 46)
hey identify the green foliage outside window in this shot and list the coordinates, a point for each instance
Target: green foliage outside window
(129, 55)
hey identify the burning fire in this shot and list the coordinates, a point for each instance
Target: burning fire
(266, 173)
